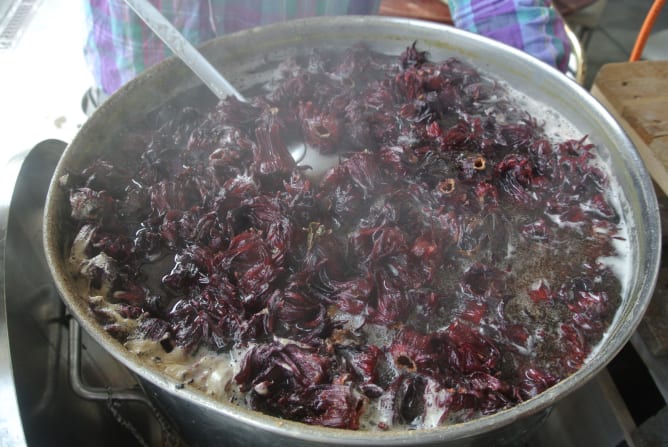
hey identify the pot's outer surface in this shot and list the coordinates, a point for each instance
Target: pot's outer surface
(247, 58)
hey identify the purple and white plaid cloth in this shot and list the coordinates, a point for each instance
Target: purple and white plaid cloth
(119, 45)
(530, 25)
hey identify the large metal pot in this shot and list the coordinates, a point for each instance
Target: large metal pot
(247, 58)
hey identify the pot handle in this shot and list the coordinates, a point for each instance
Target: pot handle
(110, 395)
(93, 393)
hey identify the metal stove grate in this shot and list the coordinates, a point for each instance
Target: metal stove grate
(14, 23)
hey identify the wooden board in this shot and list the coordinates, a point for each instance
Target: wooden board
(434, 10)
(636, 94)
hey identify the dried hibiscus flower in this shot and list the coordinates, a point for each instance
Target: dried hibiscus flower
(450, 265)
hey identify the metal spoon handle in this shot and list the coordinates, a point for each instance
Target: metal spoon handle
(184, 49)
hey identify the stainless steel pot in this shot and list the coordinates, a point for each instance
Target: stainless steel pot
(247, 59)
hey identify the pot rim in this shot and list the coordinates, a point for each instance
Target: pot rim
(620, 330)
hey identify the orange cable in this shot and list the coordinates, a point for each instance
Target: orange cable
(647, 25)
